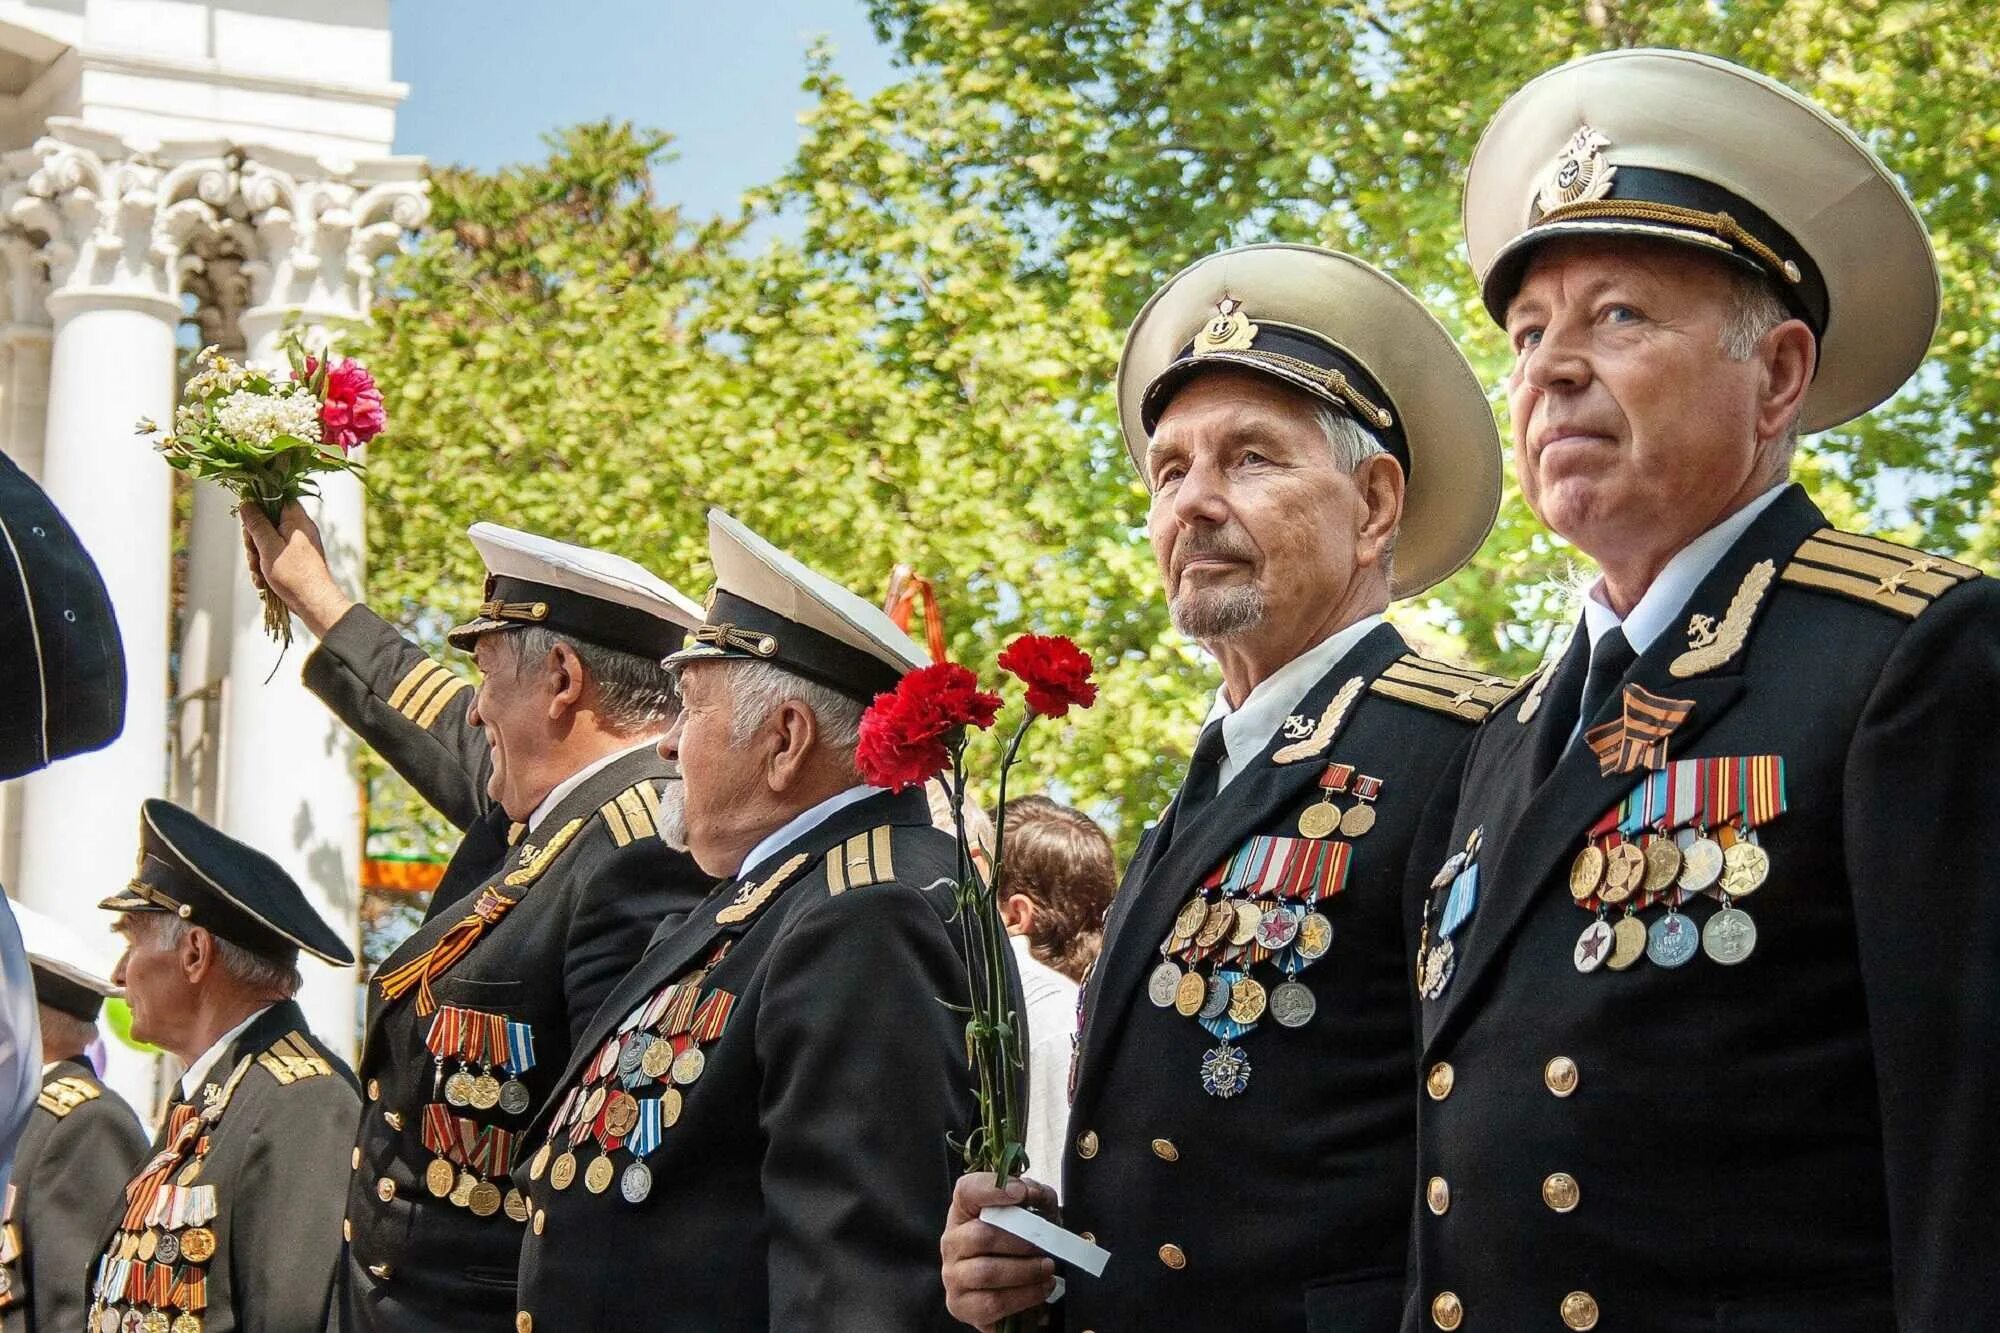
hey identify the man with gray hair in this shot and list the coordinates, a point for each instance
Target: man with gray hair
(233, 1223)
(571, 858)
(754, 1131)
(1242, 1121)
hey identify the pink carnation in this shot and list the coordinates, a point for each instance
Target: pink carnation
(350, 413)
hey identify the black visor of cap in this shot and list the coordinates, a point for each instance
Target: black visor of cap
(1806, 298)
(742, 631)
(513, 603)
(1270, 351)
(70, 997)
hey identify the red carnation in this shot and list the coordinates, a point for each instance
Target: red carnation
(1056, 671)
(350, 409)
(903, 733)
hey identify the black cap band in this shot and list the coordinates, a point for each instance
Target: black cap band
(742, 631)
(59, 992)
(1646, 201)
(1294, 356)
(513, 603)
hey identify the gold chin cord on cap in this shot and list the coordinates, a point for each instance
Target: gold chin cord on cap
(495, 609)
(1719, 225)
(728, 636)
(158, 899)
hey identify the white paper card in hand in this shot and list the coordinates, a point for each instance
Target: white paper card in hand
(1046, 1236)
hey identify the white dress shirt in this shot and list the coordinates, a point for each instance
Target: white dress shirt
(1673, 585)
(581, 776)
(801, 824)
(1248, 729)
(1051, 1020)
(197, 1073)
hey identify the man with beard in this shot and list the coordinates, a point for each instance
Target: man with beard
(567, 865)
(1718, 1048)
(232, 1223)
(1241, 1131)
(754, 1131)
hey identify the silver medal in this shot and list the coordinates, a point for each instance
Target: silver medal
(1729, 936)
(1593, 946)
(1164, 984)
(1292, 1004)
(1672, 940)
(1217, 1002)
(636, 1183)
(514, 1099)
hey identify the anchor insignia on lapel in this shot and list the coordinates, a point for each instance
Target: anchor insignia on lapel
(1327, 727)
(1711, 646)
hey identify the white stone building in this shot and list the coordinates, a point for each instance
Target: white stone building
(225, 162)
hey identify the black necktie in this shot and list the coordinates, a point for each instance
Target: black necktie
(1610, 658)
(1204, 775)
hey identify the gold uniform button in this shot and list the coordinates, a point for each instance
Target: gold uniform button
(347, 1229)
(380, 1272)
(1561, 1192)
(1086, 1144)
(1579, 1311)
(395, 1119)
(1173, 1256)
(524, 1323)
(1446, 1312)
(541, 1220)
(1560, 1075)
(374, 1090)
(385, 1189)
(356, 1157)
(1438, 1082)
(1165, 1150)
(1438, 1195)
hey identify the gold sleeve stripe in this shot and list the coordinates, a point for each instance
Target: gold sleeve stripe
(614, 819)
(885, 863)
(419, 673)
(425, 692)
(1421, 673)
(435, 707)
(1897, 573)
(1469, 708)
(1908, 555)
(836, 872)
(635, 813)
(1431, 664)
(652, 800)
(1907, 605)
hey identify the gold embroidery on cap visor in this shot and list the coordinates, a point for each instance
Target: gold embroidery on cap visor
(1720, 226)
(1230, 337)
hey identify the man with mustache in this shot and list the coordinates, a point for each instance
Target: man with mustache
(568, 863)
(1241, 1126)
(1716, 1049)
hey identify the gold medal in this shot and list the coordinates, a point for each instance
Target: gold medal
(1189, 995)
(128, 1245)
(1193, 912)
(147, 1244)
(189, 1173)
(1586, 873)
(563, 1172)
(594, 1103)
(1319, 820)
(1663, 864)
(659, 1057)
(1315, 937)
(620, 1115)
(188, 1323)
(1360, 817)
(197, 1245)
(1744, 868)
(688, 1066)
(1624, 872)
(1248, 914)
(458, 1089)
(1246, 1000)
(597, 1178)
(1220, 920)
(156, 1321)
(541, 1162)
(1628, 943)
(461, 1193)
(485, 1200)
(670, 1107)
(516, 1205)
(439, 1178)
(485, 1094)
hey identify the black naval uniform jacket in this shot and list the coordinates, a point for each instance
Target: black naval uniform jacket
(1285, 1206)
(277, 1162)
(81, 1145)
(1804, 1139)
(580, 920)
(807, 1177)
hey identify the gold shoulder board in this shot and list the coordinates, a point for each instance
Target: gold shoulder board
(422, 694)
(66, 1094)
(862, 860)
(1896, 578)
(1463, 693)
(632, 814)
(291, 1058)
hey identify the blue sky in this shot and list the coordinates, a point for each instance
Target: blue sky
(488, 77)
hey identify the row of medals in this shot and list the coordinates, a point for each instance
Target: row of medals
(483, 1092)
(482, 1198)
(149, 1321)
(639, 1052)
(1727, 867)
(194, 1245)
(1231, 927)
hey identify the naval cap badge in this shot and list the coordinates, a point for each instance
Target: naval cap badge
(1579, 172)
(1228, 330)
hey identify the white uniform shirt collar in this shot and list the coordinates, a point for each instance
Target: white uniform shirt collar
(1247, 730)
(801, 824)
(197, 1073)
(1672, 586)
(582, 775)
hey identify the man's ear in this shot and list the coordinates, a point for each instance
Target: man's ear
(564, 674)
(1380, 480)
(1790, 355)
(792, 731)
(197, 955)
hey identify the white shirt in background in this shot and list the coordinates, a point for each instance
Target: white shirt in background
(1051, 1017)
